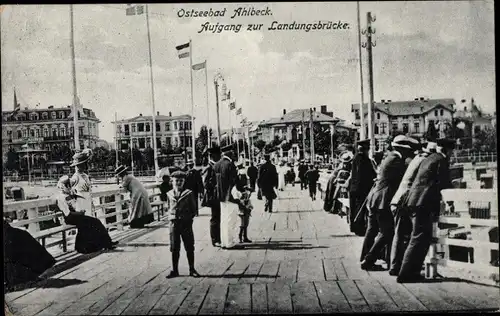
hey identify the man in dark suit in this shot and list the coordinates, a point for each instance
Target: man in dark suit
(302, 175)
(194, 183)
(363, 175)
(267, 182)
(380, 228)
(424, 202)
(210, 193)
(252, 173)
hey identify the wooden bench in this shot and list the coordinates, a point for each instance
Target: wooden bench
(43, 234)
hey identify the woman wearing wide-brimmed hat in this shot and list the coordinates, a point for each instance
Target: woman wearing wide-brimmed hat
(141, 212)
(80, 181)
(339, 178)
(92, 236)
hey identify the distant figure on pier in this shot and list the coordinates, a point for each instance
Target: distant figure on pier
(24, 258)
(312, 177)
(80, 182)
(92, 236)
(424, 203)
(141, 212)
(252, 173)
(281, 176)
(241, 194)
(210, 192)
(194, 182)
(267, 182)
(302, 175)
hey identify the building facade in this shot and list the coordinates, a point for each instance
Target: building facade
(47, 129)
(410, 117)
(174, 131)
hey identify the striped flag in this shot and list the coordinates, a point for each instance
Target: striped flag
(134, 9)
(232, 105)
(200, 66)
(183, 50)
(238, 111)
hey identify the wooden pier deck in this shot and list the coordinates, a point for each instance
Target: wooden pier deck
(302, 260)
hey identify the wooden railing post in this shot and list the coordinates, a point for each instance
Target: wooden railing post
(99, 211)
(431, 261)
(32, 214)
(118, 210)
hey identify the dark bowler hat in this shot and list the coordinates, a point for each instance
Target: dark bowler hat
(121, 169)
(446, 143)
(364, 142)
(179, 174)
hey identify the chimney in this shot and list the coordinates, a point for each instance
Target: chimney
(169, 113)
(323, 109)
(389, 101)
(383, 100)
(463, 100)
(51, 107)
(284, 111)
(421, 109)
(314, 109)
(421, 98)
(465, 109)
(140, 114)
(157, 112)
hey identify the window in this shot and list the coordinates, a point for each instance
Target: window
(441, 112)
(33, 116)
(61, 115)
(158, 142)
(71, 131)
(148, 128)
(32, 133)
(168, 140)
(415, 117)
(80, 130)
(356, 112)
(394, 126)
(405, 128)
(175, 126)
(53, 115)
(405, 117)
(37, 133)
(45, 116)
(375, 129)
(181, 126)
(167, 126)
(133, 128)
(477, 129)
(416, 125)
(378, 116)
(383, 127)
(157, 127)
(25, 133)
(435, 112)
(140, 127)
(19, 134)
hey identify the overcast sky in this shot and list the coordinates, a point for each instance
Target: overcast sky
(432, 49)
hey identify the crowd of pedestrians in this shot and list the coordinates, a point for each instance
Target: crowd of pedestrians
(394, 204)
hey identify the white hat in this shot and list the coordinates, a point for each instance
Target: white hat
(401, 141)
(346, 156)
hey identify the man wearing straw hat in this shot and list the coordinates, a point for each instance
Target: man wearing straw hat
(80, 181)
(141, 212)
(380, 229)
(399, 210)
(423, 202)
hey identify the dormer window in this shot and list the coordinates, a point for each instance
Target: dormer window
(53, 115)
(45, 116)
(61, 115)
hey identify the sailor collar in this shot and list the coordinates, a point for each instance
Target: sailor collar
(184, 193)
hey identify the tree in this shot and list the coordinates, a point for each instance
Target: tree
(259, 144)
(12, 160)
(486, 139)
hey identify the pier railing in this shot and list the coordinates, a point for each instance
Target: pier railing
(110, 207)
(467, 236)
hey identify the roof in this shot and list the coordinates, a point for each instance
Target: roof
(296, 116)
(157, 118)
(414, 107)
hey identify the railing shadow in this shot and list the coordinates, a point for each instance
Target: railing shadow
(443, 279)
(237, 276)
(49, 283)
(145, 244)
(275, 246)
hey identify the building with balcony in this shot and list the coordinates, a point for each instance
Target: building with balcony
(410, 117)
(47, 130)
(174, 131)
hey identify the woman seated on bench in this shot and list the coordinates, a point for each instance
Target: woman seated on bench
(24, 258)
(92, 236)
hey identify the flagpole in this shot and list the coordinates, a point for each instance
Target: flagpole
(73, 71)
(192, 100)
(152, 92)
(208, 108)
(361, 114)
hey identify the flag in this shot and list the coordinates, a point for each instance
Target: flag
(183, 50)
(17, 106)
(232, 105)
(238, 111)
(134, 9)
(200, 66)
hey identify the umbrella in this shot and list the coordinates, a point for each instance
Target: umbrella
(163, 172)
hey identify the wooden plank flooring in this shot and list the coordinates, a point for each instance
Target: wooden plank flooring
(302, 260)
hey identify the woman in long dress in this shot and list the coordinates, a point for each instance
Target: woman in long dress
(141, 212)
(281, 176)
(80, 182)
(92, 236)
(24, 258)
(229, 216)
